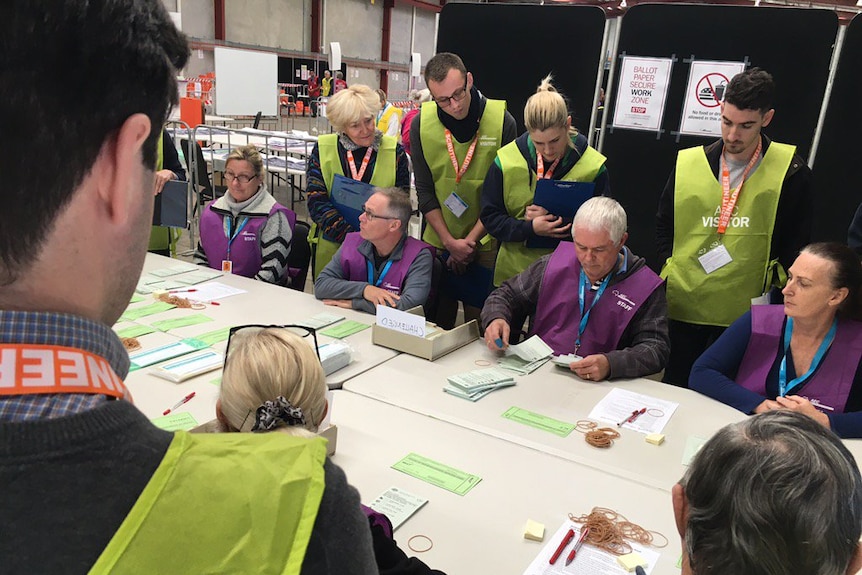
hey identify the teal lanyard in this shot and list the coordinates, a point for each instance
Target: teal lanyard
(585, 317)
(382, 274)
(783, 386)
(232, 237)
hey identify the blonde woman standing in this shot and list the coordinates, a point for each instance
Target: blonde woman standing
(552, 149)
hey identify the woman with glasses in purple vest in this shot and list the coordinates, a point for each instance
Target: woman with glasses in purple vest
(805, 355)
(246, 232)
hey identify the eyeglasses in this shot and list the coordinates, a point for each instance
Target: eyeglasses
(459, 95)
(241, 178)
(371, 216)
(299, 330)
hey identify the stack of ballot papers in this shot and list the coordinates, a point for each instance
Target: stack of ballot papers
(527, 356)
(476, 384)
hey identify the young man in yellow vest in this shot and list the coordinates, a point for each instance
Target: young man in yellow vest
(87, 483)
(733, 216)
(459, 133)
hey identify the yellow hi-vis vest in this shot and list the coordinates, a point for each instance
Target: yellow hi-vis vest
(693, 296)
(226, 503)
(383, 176)
(433, 136)
(383, 122)
(519, 187)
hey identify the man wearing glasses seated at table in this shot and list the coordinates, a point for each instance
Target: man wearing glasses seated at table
(246, 232)
(592, 297)
(380, 264)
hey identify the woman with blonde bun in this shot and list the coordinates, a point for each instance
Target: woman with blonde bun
(552, 149)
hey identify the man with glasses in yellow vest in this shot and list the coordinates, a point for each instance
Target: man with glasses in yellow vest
(459, 133)
(87, 483)
(732, 218)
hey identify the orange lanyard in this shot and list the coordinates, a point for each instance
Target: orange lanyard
(728, 199)
(540, 167)
(28, 369)
(350, 162)
(459, 172)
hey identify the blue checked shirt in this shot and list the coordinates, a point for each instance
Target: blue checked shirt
(46, 328)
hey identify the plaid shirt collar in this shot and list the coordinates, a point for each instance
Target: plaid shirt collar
(67, 330)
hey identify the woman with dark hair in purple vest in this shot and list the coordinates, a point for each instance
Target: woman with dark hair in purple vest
(805, 355)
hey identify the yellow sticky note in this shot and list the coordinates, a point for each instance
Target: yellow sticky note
(534, 531)
(655, 438)
(630, 561)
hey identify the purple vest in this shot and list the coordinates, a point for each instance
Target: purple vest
(832, 381)
(558, 313)
(354, 266)
(245, 251)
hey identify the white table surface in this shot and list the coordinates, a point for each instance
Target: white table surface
(482, 531)
(262, 304)
(414, 384)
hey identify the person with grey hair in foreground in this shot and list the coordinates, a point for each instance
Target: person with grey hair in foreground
(380, 264)
(775, 494)
(592, 297)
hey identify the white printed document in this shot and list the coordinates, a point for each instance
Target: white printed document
(398, 505)
(589, 560)
(635, 411)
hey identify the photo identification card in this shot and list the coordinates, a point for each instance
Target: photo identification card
(456, 205)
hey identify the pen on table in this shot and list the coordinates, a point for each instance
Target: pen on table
(584, 532)
(569, 536)
(182, 290)
(635, 414)
(179, 403)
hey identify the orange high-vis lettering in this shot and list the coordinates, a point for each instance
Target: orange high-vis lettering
(38, 369)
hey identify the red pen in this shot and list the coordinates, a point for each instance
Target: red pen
(569, 536)
(584, 532)
(214, 303)
(182, 290)
(184, 400)
(635, 414)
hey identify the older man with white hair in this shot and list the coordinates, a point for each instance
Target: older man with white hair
(592, 297)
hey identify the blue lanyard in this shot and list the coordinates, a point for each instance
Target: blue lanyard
(231, 237)
(783, 386)
(382, 274)
(585, 317)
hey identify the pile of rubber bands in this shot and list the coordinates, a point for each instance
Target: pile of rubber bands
(609, 531)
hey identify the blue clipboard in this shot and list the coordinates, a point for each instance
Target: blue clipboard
(348, 196)
(560, 198)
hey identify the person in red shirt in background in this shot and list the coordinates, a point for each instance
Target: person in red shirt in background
(313, 92)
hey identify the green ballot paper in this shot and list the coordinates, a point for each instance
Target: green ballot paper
(344, 329)
(436, 473)
(539, 421)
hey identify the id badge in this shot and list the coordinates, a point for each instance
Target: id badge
(760, 300)
(227, 266)
(456, 205)
(714, 259)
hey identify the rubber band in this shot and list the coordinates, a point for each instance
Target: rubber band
(609, 531)
(482, 362)
(415, 550)
(131, 343)
(584, 425)
(655, 412)
(198, 305)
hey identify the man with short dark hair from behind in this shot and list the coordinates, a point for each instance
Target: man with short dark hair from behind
(725, 241)
(775, 494)
(87, 483)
